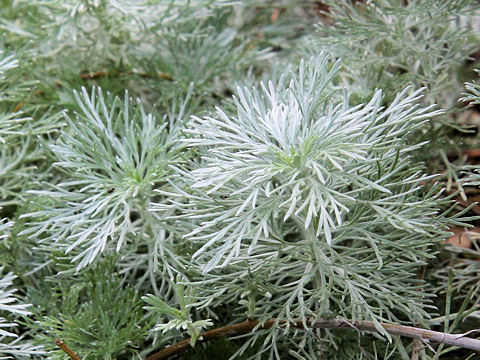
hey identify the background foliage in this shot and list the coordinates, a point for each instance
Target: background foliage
(168, 167)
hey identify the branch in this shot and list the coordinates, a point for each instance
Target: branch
(104, 73)
(393, 329)
(67, 350)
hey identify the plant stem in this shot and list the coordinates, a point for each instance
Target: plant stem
(67, 350)
(394, 329)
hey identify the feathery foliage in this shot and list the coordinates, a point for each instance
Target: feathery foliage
(143, 204)
(11, 345)
(313, 199)
(419, 42)
(113, 154)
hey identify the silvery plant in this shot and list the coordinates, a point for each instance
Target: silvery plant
(284, 207)
(298, 206)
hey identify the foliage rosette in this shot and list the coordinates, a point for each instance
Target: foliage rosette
(110, 157)
(318, 202)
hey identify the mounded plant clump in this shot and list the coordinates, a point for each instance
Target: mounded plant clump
(212, 195)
